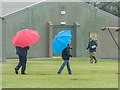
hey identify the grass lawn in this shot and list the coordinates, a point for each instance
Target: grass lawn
(43, 74)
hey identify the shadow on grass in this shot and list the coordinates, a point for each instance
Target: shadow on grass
(80, 79)
(41, 74)
(44, 74)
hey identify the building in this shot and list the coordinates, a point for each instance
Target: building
(48, 18)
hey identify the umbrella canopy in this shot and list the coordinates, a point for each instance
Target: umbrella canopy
(61, 41)
(25, 38)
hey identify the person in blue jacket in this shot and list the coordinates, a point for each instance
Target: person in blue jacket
(22, 53)
(66, 56)
(92, 49)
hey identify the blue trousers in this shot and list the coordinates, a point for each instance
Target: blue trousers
(66, 62)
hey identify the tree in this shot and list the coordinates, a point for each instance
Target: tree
(110, 7)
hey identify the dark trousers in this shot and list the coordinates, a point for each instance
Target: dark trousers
(22, 62)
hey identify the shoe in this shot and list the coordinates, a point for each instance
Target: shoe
(24, 73)
(91, 62)
(70, 73)
(95, 61)
(59, 73)
(16, 71)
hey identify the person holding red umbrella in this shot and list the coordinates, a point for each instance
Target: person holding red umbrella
(22, 40)
(22, 53)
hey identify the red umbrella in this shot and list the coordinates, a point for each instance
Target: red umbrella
(25, 38)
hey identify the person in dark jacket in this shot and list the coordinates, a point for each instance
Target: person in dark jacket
(22, 53)
(66, 56)
(92, 49)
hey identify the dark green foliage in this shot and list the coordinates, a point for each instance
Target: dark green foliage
(110, 7)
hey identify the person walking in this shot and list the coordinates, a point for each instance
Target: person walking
(66, 56)
(22, 53)
(92, 49)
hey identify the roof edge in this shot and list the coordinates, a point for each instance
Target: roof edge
(101, 11)
(88, 5)
(22, 9)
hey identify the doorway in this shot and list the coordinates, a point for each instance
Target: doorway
(58, 28)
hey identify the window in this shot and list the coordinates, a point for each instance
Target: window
(93, 35)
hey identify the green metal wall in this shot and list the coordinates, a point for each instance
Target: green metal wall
(38, 16)
(0, 39)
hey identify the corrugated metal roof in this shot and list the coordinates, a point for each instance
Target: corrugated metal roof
(9, 7)
(12, 7)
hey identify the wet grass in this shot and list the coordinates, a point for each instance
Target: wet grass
(104, 74)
